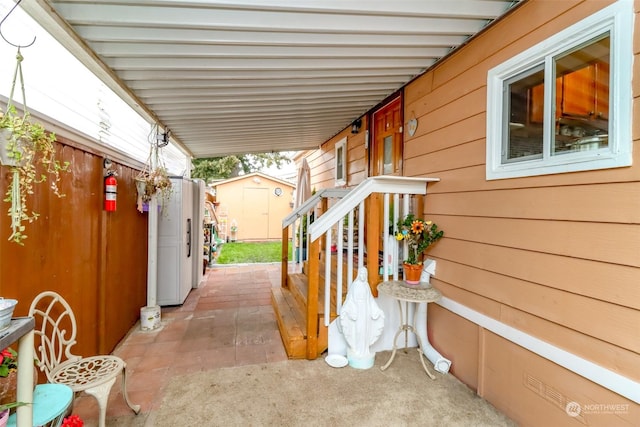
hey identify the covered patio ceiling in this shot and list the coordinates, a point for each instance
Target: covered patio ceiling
(242, 76)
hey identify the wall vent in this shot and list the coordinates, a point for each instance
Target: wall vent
(552, 396)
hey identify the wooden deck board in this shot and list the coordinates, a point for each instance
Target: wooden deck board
(291, 322)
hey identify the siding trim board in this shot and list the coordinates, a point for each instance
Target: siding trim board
(608, 379)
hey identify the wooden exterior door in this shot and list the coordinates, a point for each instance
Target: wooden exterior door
(386, 148)
(256, 213)
(385, 158)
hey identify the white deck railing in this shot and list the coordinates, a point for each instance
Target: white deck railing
(301, 217)
(330, 226)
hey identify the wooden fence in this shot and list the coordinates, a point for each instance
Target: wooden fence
(97, 260)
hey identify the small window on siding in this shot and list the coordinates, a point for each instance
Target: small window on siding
(582, 120)
(341, 162)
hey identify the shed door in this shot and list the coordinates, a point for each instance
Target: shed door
(256, 213)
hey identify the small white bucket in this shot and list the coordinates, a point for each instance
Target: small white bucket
(6, 311)
(150, 318)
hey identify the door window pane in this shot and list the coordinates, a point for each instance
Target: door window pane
(388, 155)
(339, 165)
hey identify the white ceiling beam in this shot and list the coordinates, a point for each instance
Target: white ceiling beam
(180, 110)
(233, 83)
(271, 118)
(193, 115)
(240, 92)
(159, 75)
(172, 50)
(115, 33)
(262, 63)
(263, 20)
(176, 106)
(435, 8)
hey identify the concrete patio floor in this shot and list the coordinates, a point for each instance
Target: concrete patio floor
(226, 322)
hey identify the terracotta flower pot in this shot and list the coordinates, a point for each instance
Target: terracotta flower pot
(412, 273)
(8, 388)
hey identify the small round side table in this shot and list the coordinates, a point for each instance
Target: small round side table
(406, 294)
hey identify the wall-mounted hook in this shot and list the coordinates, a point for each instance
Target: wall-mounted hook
(2, 35)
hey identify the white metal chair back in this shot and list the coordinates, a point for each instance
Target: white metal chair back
(55, 334)
(55, 331)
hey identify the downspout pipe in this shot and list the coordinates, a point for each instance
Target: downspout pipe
(440, 364)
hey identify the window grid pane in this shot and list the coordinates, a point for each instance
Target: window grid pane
(582, 97)
(525, 105)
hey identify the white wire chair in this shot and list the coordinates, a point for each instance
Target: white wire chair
(93, 375)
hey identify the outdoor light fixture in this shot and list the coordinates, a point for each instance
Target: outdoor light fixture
(163, 138)
(355, 126)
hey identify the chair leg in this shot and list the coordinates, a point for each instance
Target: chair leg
(134, 408)
(101, 394)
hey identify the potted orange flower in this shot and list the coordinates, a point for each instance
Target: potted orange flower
(419, 235)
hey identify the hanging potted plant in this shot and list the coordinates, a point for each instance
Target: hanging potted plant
(419, 235)
(152, 181)
(30, 153)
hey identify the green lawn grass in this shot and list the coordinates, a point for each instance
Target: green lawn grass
(251, 252)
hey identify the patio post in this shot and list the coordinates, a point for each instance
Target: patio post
(150, 315)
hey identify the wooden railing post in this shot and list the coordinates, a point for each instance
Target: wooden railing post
(324, 206)
(285, 257)
(373, 227)
(312, 300)
(419, 205)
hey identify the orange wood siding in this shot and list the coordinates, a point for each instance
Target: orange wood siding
(97, 260)
(555, 256)
(322, 161)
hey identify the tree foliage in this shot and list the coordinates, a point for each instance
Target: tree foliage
(231, 166)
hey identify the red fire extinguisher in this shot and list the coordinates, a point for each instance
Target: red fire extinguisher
(110, 193)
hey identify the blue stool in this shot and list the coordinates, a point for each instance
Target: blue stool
(50, 403)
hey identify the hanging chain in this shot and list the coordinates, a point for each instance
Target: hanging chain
(18, 73)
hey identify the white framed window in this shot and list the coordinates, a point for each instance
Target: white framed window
(582, 119)
(341, 162)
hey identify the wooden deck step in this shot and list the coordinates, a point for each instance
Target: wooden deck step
(299, 287)
(290, 308)
(291, 322)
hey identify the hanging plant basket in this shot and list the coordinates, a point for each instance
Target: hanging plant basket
(150, 182)
(30, 153)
